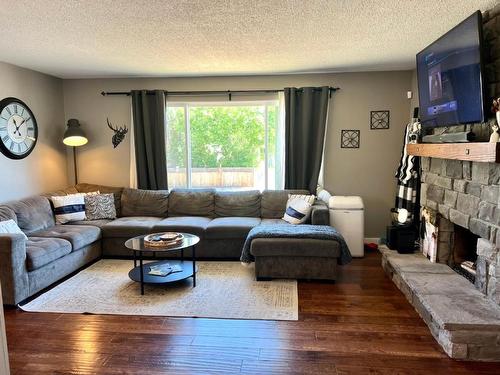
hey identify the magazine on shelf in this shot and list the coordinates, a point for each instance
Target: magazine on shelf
(164, 269)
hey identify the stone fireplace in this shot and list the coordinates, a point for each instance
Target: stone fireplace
(464, 196)
(463, 313)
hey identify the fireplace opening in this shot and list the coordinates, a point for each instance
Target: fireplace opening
(463, 255)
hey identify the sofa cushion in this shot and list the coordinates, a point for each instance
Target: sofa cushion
(41, 251)
(95, 223)
(33, 213)
(103, 189)
(230, 227)
(189, 224)
(191, 202)
(7, 214)
(65, 191)
(128, 227)
(78, 235)
(137, 202)
(237, 203)
(273, 202)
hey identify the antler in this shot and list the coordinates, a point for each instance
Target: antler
(110, 126)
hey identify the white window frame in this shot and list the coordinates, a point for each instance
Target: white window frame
(187, 127)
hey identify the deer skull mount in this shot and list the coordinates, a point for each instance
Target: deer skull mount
(119, 135)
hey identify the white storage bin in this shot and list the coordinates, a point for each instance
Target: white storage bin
(347, 215)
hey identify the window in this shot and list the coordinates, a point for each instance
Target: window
(226, 145)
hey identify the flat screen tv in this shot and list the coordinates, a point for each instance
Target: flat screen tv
(450, 77)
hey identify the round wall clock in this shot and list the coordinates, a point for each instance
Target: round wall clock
(18, 129)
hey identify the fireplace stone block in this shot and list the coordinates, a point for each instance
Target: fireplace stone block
(430, 178)
(460, 185)
(474, 189)
(444, 182)
(482, 173)
(487, 250)
(487, 211)
(459, 218)
(423, 193)
(467, 170)
(435, 193)
(479, 227)
(450, 198)
(481, 274)
(425, 163)
(444, 210)
(436, 165)
(468, 204)
(490, 194)
(453, 168)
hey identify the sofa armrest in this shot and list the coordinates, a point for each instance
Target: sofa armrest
(320, 214)
(13, 271)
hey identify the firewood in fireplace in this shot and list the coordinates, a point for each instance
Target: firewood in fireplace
(469, 267)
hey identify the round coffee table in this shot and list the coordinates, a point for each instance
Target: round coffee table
(140, 273)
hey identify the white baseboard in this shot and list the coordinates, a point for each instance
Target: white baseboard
(372, 240)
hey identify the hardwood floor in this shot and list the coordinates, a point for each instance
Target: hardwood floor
(361, 324)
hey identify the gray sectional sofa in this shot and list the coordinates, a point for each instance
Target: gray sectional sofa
(221, 218)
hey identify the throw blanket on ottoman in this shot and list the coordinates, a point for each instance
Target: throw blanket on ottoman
(316, 232)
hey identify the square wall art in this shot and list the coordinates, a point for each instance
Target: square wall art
(379, 120)
(349, 138)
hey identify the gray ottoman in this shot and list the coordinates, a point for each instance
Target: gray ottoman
(295, 258)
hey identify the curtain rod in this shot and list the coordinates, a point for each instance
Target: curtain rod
(202, 93)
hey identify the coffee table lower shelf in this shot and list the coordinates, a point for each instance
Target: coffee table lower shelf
(187, 272)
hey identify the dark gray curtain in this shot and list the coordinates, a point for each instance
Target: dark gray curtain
(305, 123)
(148, 110)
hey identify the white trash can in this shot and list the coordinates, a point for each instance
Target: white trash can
(347, 215)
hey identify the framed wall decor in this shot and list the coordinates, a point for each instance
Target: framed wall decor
(379, 120)
(350, 138)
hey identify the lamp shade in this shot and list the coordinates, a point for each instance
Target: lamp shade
(74, 135)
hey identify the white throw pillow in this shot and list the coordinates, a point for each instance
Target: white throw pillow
(298, 208)
(10, 226)
(69, 207)
(308, 198)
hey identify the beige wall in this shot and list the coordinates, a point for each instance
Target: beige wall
(45, 168)
(368, 171)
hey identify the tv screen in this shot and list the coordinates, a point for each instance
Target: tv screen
(449, 73)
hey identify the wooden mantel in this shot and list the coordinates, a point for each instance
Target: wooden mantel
(473, 151)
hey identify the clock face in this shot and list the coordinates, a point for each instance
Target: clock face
(18, 129)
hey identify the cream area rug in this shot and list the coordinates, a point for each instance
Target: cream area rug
(223, 290)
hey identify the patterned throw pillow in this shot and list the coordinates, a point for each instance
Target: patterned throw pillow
(100, 206)
(69, 207)
(298, 208)
(10, 226)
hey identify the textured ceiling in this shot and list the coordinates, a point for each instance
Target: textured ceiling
(119, 38)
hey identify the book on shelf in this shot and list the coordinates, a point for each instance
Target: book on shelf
(164, 269)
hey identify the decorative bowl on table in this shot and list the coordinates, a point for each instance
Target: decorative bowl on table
(163, 239)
